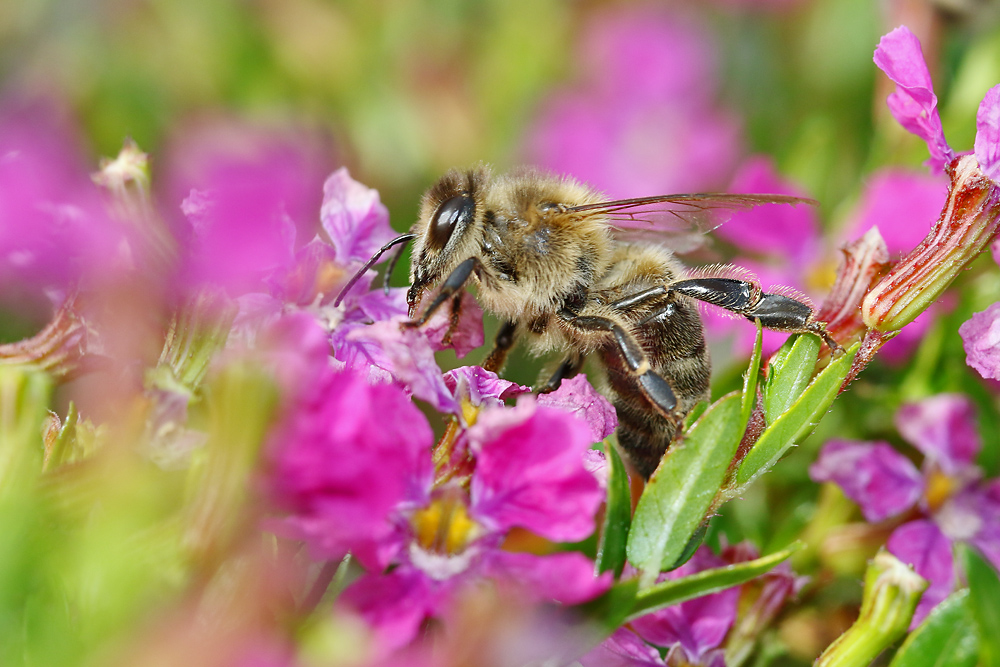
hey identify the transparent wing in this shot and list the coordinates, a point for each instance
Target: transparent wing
(679, 221)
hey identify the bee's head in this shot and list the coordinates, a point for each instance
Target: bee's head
(445, 236)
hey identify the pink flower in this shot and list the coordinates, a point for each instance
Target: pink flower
(955, 504)
(913, 104)
(341, 470)
(643, 120)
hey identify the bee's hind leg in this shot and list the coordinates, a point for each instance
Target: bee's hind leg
(656, 389)
(775, 311)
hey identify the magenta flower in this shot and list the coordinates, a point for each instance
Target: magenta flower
(643, 120)
(240, 228)
(54, 228)
(953, 503)
(913, 104)
(332, 446)
(529, 474)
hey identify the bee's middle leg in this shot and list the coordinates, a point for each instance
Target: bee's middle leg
(651, 384)
(569, 368)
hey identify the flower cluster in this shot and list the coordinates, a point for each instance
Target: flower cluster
(947, 501)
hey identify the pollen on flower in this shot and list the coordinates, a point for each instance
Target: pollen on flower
(443, 532)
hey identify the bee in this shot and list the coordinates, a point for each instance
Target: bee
(568, 270)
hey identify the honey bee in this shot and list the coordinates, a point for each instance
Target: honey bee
(568, 270)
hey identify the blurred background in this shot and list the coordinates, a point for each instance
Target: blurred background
(636, 98)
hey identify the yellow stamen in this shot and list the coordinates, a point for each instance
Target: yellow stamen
(939, 488)
(444, 526)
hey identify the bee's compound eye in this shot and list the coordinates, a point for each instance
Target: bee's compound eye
(455, 210)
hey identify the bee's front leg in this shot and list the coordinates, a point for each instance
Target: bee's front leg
(449, 288)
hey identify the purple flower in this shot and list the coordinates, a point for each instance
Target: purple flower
(956, 506)
(981, 339)
(240, 227)
(697, 626)
(643, 120)
(528, 474)
(874, 475)
(624, 648)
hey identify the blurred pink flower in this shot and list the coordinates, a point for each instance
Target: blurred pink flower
(54, 226)
(642, 120)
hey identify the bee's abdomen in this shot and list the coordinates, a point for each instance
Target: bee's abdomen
(675, 348)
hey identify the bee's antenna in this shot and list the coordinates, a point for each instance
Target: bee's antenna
(393, 261)
(404, 238)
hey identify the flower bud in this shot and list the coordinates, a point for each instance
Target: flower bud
(892, 591)
(966, 226)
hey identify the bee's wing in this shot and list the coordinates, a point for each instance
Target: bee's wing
(680, 221)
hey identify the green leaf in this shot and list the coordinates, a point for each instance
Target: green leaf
(750, 379)
(788, 374)
(667, 593)
(696, 541)
(617, 516)
(946, 638)
(797, 422)
(682, 488)
(984, 594)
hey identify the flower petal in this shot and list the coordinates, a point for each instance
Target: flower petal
(922, 545)
(395, 605)
(467, 334)
(408, 357)
(943, 427)
(624, 648)
(981, 340)
(879, 479)
(698, 625)
(579, 397)
(914, 104)
(354, 217)
(530, 472)
(481, 387)
(567, 578)
(987, 147)
(327, 455)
